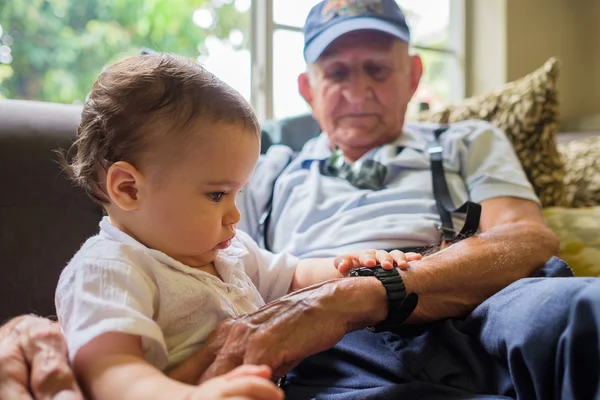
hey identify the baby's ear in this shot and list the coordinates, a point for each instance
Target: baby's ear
(123, 182)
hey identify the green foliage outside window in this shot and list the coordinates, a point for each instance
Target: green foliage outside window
(53, 50)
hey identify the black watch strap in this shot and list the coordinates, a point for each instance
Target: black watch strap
(400, 303)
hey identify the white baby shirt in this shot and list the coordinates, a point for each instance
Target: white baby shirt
(116, 284)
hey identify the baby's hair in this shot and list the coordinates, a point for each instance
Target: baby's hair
(144, 100)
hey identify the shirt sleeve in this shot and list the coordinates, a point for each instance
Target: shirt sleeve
(254, 200)
(491, 167)
(271, 273)
(95, 297)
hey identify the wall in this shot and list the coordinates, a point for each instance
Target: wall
(507, 39)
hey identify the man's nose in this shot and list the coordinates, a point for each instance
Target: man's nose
(358, 88)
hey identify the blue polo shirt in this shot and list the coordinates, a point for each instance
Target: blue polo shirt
(321, 216)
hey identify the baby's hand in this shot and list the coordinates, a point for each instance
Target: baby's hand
(370, 258)
(246, 382)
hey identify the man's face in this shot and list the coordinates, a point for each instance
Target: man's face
(360, 88)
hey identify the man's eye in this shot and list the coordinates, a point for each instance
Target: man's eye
(216, 196)
(377, 72)
(338, 74)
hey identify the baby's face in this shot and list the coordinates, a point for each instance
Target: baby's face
(190, 212)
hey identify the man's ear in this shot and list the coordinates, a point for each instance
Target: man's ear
(123, 182)
(416, 71)
(304, 88)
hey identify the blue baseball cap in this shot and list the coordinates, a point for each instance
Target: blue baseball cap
(331, 19)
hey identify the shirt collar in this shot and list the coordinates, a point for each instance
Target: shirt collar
(411, 137)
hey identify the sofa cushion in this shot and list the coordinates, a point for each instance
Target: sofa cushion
(527, 110)
(578, 230)
(582, 171)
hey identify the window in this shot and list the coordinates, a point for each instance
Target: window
(52, 50)
(437, 37)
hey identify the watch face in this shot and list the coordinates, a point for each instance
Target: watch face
(362, 272)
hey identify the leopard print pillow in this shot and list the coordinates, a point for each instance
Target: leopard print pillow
(527, 110)
(582, 175)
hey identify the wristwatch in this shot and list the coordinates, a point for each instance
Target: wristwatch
(400, 303)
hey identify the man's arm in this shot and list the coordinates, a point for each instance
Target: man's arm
(513, 242)
(289, 329)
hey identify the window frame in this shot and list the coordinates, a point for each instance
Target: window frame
(263, 27)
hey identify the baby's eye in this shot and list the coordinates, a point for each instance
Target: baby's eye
(216, 196)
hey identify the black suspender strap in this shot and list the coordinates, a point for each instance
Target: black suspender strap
(444, 202)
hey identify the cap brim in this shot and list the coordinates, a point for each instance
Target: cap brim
(317, 46)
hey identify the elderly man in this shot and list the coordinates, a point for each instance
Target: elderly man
(439, 329)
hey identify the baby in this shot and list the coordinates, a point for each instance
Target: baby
(165, 147)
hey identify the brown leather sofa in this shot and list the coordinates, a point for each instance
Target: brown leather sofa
(43, 217)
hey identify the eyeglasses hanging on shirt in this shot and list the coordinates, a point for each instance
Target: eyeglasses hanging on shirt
(362, 174)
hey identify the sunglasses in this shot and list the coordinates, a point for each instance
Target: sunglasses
(362, 174)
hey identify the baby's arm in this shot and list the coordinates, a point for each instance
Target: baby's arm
(314, 270)
(112, 366)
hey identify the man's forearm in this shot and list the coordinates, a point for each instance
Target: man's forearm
(365, 301)
(452, 282)
(293, 327)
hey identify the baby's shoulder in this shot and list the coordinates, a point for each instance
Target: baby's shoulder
(99, 253)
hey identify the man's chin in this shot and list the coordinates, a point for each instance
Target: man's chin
(358, 137)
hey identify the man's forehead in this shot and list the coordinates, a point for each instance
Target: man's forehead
(368, 44)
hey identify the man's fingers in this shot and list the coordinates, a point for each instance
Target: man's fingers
(13, 391)
(14, 371)
(190, 371)
(220, 366)
(262, 371)
(253, 387)
(52, 379)
(51, 376)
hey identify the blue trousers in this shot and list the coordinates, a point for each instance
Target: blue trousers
(537, 339)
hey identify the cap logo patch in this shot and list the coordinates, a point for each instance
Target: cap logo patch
(350, 8)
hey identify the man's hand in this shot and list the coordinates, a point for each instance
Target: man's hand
(284, 332)
(33, 356)
(370, 258)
